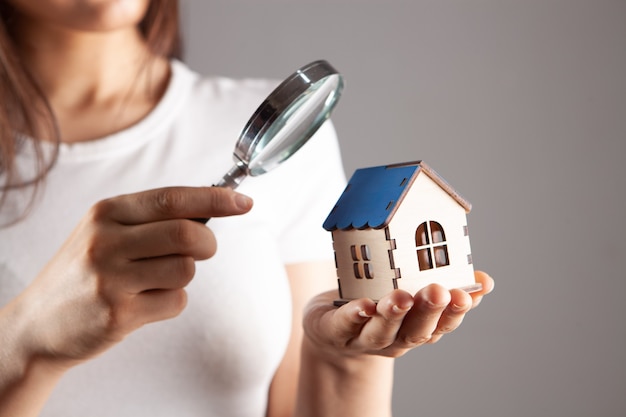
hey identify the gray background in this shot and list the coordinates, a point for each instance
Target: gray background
(521, 106)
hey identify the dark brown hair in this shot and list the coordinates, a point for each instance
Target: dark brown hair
(24, 109)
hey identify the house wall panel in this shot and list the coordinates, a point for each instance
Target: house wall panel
(383, 275)
(426, 201)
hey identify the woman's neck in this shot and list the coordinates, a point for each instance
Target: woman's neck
(97, 83)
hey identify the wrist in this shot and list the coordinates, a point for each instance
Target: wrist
(336, 383)
(342, 359)
(26, 377)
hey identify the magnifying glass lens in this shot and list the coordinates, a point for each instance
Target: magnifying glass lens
(295, 125)
(285, 121)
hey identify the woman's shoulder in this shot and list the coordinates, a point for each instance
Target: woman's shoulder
(224, 89)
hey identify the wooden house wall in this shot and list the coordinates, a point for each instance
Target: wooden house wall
(426, 201)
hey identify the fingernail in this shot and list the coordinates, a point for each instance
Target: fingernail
(243, 202)
(456, 307)
(397, 309)
(363, 313)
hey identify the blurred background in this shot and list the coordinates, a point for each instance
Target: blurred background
(521, 106)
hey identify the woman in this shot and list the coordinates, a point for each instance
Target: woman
(94, 261)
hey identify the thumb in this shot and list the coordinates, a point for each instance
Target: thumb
(174, 203)
(226, 202)
(236, 201)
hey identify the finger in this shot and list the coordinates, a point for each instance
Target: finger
(487, 286)
(157, 305)
(340, 326)
(172, 237)
(382, 329)
(454, 313)
(173, 203)
(164, 273)
(421, 321)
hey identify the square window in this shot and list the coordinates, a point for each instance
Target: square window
(365, 253)
(441, 255)
(353, 252)
(424, 259)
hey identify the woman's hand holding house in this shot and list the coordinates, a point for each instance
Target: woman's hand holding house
(396, 324)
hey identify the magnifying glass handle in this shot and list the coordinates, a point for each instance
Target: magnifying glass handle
(201, 219)
(204, 220)
(231, 179)
(234, 176)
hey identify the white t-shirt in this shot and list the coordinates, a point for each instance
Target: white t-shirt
(218, 357)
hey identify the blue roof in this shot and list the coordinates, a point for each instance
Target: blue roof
(371, 196)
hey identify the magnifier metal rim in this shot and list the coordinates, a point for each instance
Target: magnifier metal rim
(277, 103)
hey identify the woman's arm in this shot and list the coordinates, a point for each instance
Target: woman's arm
(345, 363)
(25, 380)
(125, 265)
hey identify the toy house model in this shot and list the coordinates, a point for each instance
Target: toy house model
(400, 226)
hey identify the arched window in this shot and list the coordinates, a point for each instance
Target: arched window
(432, 250)
(361, 256)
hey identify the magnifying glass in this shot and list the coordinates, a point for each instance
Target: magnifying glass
(284, 122)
